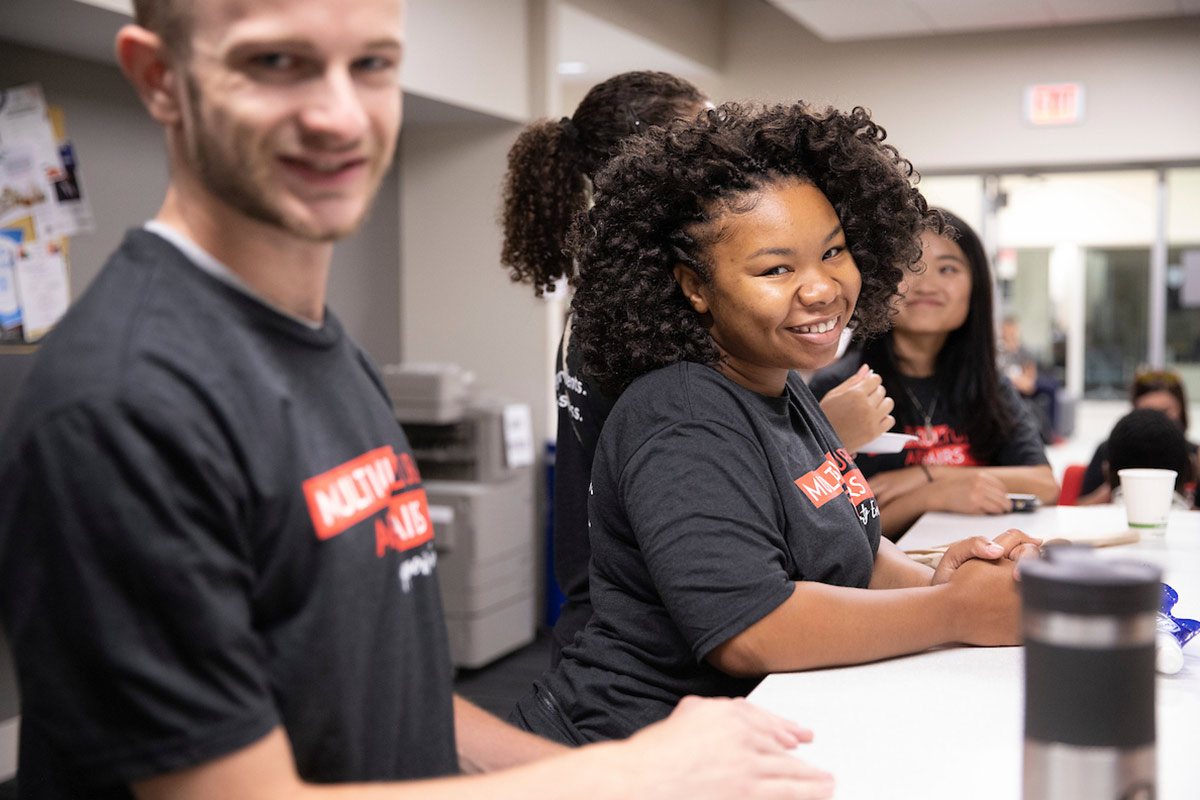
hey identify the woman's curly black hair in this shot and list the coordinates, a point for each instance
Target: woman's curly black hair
(653, 202)
(551, 164)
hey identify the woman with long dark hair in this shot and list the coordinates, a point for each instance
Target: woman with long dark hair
(976, 442)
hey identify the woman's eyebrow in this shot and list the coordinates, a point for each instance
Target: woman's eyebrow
(787, 251)
(773, 251)
(951, 257)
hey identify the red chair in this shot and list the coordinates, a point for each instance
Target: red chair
(1072, 482)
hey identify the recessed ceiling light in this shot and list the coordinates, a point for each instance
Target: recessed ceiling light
(572, 67)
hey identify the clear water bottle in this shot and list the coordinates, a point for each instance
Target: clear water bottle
(1089, 629)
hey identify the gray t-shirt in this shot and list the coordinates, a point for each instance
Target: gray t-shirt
(709, 502)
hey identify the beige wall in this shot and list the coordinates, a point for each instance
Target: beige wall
(457, 302)
(954, 102)
(470, 53)
(692, 28)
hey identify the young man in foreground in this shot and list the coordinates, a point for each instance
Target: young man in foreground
(216, 562)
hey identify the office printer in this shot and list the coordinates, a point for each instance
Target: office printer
(475, 455)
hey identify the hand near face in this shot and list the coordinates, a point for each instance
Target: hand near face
(723, 748)
(859, 408)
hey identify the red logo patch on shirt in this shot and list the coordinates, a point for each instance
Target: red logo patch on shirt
(822, 484)
(945, 447)
(344, 496)
(837, 475)
(407, 523)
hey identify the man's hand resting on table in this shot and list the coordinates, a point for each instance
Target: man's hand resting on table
(724, 748)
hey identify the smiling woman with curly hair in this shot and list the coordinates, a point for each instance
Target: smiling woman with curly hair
(731, 533)
(653, 201)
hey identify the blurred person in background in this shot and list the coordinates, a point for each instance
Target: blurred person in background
(1020, 367)
(1146, 438)
(1158, 389)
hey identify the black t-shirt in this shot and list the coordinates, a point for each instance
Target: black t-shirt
(582, 410)
(945, 441)
(211, 525)
(710, 501)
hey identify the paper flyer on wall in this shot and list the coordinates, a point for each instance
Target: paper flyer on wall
(72, 212)
(30, 161)
(10, 305)
(42, 286)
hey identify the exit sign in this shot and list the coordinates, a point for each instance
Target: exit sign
(1054, 104)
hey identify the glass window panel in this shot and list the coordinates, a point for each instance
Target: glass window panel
(1117, 316)
(1183, 278)
(1075, 251)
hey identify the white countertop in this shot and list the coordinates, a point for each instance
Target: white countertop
(948, 723)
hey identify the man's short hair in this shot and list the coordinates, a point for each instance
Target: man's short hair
(170, 20)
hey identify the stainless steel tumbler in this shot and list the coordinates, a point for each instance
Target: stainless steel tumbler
(1089, 627)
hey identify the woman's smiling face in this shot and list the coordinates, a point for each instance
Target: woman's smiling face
(783, 285)
(937, 299)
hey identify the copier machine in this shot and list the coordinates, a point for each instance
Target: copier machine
(476, 460)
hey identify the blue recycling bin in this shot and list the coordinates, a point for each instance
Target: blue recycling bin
(554, 596)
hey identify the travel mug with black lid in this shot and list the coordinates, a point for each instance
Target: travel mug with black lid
(1089, 629)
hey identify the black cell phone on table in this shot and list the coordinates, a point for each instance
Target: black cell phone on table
(1024, 502)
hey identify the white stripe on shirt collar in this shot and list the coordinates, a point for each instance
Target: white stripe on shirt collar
(206, 262)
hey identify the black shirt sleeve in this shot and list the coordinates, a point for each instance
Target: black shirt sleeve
(143, 588)
(828, 377)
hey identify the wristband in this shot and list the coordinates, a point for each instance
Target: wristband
(925, 469)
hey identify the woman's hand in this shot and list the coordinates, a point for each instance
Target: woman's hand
(859, 409)
(887, 486)
(1013, 545)
(972, 492)
(986, 604)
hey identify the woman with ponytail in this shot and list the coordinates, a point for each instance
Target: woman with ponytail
(549, 181)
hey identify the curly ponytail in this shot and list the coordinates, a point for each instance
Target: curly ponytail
(551, 164)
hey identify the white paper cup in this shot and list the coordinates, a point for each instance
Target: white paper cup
(1148, 494)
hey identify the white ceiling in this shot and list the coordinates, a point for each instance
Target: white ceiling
(849, 20)
(606, 50)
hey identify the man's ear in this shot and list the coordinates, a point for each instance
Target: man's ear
(690, 283)
(143, 58)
